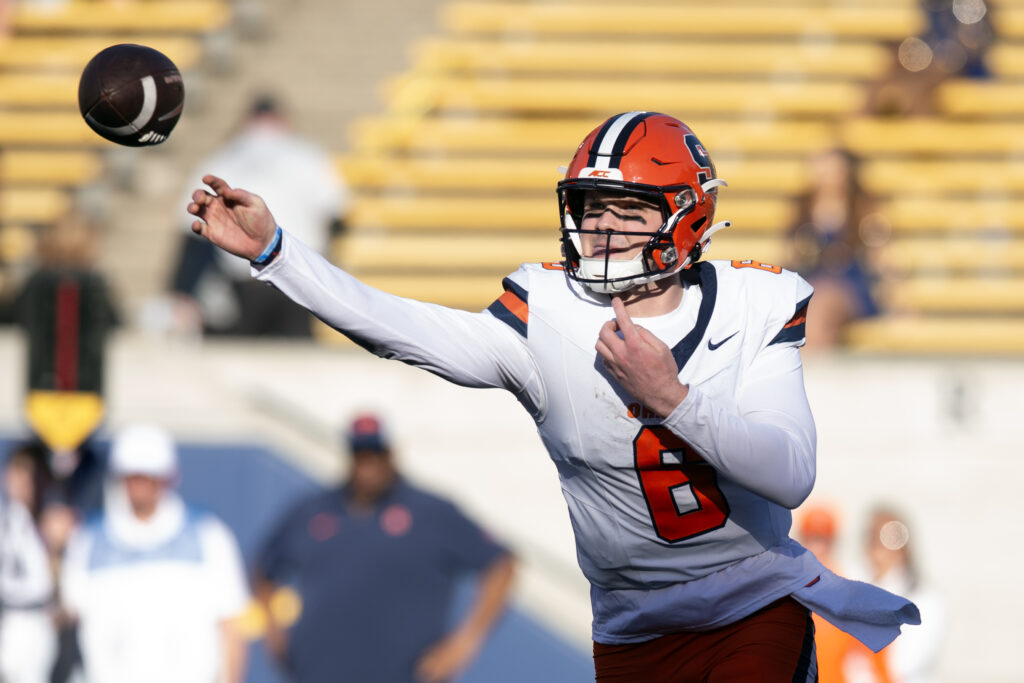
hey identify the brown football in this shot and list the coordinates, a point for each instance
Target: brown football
(131, 95)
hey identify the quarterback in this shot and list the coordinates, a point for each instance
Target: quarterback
(667, 390)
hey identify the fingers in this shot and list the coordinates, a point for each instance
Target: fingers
(223, 189)
(219, 185)
(625, 322)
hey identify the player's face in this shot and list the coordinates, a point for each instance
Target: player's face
(614, 217)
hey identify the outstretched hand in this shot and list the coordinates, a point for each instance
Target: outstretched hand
(235, 220)
(640, 362)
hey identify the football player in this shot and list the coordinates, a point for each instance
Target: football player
(667, 390)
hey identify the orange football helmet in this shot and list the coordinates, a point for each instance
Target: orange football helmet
(653, 157)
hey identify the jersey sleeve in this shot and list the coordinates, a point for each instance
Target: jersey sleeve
(513, 307)
(470, 349)
(787, 317)
(767, 442)
(768, 445)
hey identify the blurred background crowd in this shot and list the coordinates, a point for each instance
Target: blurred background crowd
(871, 145)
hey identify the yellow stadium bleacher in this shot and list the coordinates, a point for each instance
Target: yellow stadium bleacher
(80, 16)
(953, 254)
(651, 19)
(47, 129)
(981, 98)
(48, 167)
(47, 53)
(567, 96)
(784, 176)
(959, 294)
(32, 204)
(946, 175)
(766, 58)
(931, 213)
(930, 136)
(508, 135)
(959, 334)
(465, 157)
(39, 90)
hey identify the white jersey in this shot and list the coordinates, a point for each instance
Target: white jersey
(665, 511)
(646, 506)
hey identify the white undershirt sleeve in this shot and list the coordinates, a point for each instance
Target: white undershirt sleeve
(767, 447)
(470, 349)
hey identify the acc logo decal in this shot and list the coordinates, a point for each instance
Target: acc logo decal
(592, 172)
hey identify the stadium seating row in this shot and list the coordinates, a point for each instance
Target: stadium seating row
(883, 176)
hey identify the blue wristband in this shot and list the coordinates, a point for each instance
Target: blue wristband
(272, 250)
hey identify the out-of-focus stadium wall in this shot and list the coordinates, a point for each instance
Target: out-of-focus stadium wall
(938, 438)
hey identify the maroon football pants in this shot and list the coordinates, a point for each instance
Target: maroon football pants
(773, 645)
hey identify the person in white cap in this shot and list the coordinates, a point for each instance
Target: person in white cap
(156, 585)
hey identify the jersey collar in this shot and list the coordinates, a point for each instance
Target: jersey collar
(702, 274)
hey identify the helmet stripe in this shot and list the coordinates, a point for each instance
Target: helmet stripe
(627, 132)
(613, 137)
(592, 159)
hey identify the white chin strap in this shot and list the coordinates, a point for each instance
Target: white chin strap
(597, 272)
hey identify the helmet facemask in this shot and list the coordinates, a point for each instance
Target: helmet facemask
(652, 157)
(657, 259)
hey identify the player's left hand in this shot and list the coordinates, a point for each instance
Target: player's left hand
(640, 362)
(445, 659)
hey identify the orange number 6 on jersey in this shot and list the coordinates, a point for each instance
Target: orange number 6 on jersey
(661, 480)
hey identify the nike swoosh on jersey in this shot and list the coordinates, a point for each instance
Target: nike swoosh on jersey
(712, 346)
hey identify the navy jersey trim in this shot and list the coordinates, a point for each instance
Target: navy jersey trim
(706, 276)
(795, 329)
(512, 307)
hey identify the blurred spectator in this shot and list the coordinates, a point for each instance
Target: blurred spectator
(375, 563)
(66, 310)
(27, 477)
(27, 638)
(954, 43)
(817, 530)
(56, 502)
(829, 237)
(155, 584)
(913, 657)
(310, 199)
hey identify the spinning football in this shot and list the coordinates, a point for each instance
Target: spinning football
(131, 95)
